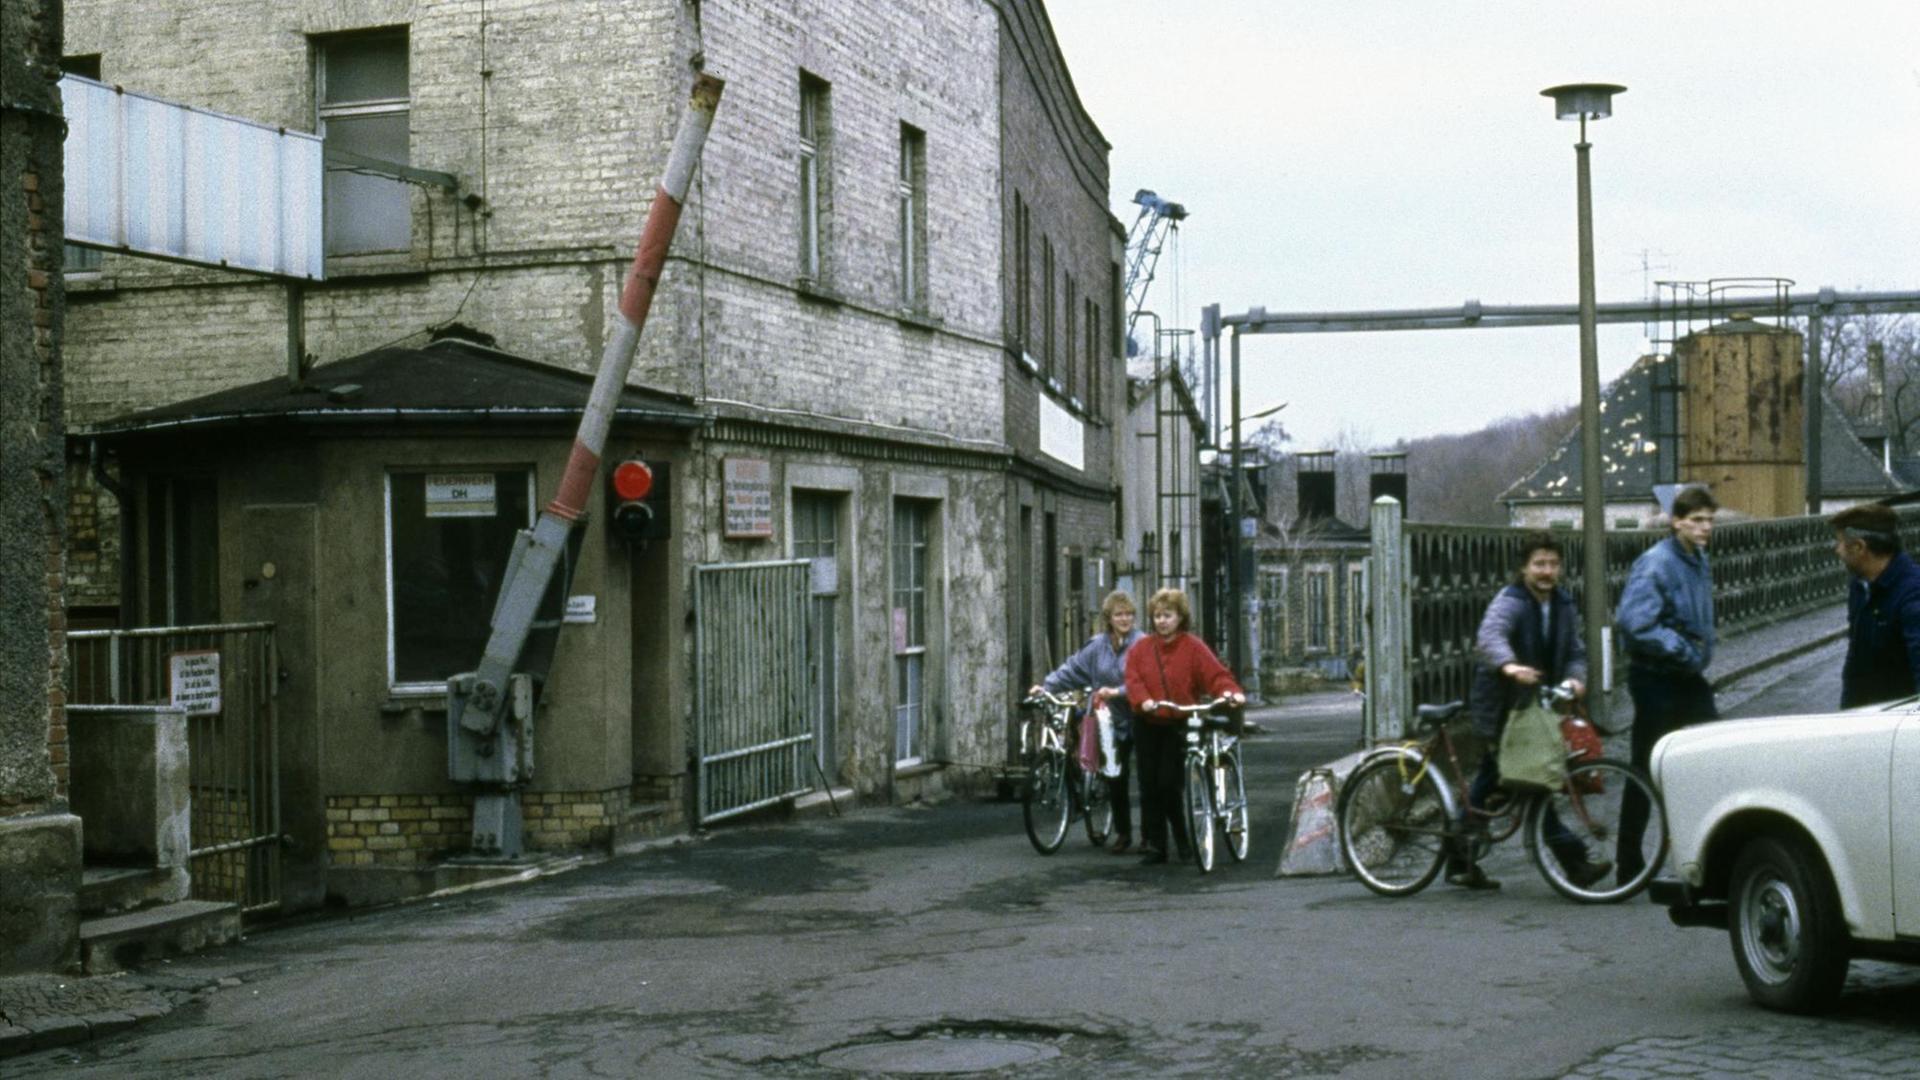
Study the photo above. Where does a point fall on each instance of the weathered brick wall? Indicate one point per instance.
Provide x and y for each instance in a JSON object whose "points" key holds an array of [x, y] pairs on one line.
{"points": [[1055, 159], [413, 830], [33, 768]]}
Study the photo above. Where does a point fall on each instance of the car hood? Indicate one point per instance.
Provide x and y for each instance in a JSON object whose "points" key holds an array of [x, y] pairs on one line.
{"points": [[1778, 734]]}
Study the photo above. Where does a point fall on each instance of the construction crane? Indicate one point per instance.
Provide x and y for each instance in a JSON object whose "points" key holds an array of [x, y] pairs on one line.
{"points": [[1149, 231]]}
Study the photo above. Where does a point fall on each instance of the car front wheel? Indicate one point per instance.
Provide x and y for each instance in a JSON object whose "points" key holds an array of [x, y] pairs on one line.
{"points": [[1788, 936]]}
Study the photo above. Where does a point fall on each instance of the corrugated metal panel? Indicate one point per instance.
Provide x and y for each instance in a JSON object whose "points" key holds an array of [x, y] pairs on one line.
{"points": [[161, 179]]}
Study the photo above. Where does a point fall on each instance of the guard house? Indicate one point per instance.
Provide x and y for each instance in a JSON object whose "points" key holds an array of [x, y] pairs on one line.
{"points": [[367, 514]]}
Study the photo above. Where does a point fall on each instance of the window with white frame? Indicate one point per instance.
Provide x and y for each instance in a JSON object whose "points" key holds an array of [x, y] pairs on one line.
{"points": [[912, 570], [449, 535], [364, 111], [911, 190], [814, 190]]}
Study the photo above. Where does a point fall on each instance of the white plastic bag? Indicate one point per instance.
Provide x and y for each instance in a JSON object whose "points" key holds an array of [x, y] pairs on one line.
{"points": [[1109, 754]]}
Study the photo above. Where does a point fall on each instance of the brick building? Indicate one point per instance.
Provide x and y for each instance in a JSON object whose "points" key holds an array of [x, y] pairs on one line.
{"points": [[39, 838], [827, 356], [1063, 372]]}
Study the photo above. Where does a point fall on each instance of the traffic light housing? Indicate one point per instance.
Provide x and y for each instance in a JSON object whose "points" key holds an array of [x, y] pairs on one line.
{"points": [[637, 495]]}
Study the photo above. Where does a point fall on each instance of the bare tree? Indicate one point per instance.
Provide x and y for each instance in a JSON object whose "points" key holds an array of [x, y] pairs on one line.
{"points": [[1845, 343]]}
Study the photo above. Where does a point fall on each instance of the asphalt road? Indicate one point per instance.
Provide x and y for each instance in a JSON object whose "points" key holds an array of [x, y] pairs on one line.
{"points": [[923, 936]]}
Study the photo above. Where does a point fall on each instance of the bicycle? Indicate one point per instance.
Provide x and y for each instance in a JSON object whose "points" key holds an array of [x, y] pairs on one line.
{"points": [[1216, 791], [1057, 788], [1398, 819]]}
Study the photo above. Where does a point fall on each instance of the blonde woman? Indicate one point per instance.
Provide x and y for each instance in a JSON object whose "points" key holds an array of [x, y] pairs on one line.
{"points": [[1101, 664]]}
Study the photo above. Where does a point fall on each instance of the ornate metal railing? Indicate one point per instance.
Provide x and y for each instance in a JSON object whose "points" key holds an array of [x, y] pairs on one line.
{"points": [[1762, 571]]}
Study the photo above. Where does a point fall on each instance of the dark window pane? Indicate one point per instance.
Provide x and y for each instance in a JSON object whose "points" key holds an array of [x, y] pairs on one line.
{"points": [[447, 573], [366, 69]]}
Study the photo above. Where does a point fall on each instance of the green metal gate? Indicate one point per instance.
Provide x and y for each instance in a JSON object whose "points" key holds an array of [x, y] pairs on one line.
{"points": [[753, 731]]}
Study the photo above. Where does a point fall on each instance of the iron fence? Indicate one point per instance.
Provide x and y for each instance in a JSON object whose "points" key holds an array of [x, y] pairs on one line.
{"points": [[225, 677], [1763, 571]]}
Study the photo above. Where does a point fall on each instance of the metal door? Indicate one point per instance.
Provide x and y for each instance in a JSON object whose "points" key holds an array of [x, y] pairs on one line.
{"points": [[753, 730]]}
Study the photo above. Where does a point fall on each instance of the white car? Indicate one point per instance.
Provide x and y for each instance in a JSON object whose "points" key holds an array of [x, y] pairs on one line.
{"points": [[1801, 836]]}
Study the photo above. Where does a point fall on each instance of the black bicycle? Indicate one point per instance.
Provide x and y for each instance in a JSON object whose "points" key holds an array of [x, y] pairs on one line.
{"points": [[1057, 787]]}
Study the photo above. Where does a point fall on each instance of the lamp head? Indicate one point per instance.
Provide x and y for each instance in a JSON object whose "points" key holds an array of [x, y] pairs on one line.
{"points": [[1583, 101]]}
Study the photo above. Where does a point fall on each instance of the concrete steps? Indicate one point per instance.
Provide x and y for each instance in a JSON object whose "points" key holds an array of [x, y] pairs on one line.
{"points": [[113, 942], [105, 890]]}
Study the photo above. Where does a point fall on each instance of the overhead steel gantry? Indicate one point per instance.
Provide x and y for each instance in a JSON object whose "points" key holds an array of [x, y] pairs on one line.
{"points": [[1813, 306]]}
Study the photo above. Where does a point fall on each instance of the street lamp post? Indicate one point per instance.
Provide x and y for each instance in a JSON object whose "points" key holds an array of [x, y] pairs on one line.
{"points": [[1583, 102]]}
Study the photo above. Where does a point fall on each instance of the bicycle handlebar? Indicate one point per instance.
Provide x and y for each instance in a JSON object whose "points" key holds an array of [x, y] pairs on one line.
{"points": [[1047, 699]]}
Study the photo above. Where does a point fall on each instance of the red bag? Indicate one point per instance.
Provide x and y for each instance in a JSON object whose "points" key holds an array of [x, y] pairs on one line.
{"points": [[1088, 752], [1583, 745]]}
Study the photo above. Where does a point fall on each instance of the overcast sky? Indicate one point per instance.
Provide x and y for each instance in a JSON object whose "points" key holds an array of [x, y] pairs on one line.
{"points": [[1365, 154]]}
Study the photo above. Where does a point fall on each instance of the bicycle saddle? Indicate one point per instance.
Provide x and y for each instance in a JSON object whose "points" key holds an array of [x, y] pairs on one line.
{"points": [[1432, 716]]}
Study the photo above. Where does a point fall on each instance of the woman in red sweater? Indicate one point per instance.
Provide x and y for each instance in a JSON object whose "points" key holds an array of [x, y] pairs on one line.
{"points": [[1172, 667]]}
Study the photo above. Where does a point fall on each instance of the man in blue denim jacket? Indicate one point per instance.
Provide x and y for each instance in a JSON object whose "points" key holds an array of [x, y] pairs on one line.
{"points": [[1883, 607], [1665, 622]]}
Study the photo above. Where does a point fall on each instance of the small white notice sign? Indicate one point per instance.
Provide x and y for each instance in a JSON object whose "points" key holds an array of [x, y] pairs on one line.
{"points": [[580, 609], [195, 681], [749, 498], [460, 495]]}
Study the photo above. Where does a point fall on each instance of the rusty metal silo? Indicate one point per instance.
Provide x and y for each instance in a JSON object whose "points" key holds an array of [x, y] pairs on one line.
{"points": [[1742, 416]]}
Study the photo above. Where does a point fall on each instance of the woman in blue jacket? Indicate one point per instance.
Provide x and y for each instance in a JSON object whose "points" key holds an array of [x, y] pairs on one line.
{"points": [[1102, 664]]}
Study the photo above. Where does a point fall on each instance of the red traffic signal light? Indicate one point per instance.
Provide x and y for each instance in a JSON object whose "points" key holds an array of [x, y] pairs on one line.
{"points": [[638, 496], [632, 480]]}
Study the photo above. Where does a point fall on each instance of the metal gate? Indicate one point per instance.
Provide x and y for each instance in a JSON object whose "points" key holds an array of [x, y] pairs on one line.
{"points": [[224, 675], [753, 733]]}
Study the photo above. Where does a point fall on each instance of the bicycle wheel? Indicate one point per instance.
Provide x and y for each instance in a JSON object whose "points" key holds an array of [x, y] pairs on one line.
{"points": [[1098, 807], [1234, 813], [1200, 815], [1578, 857], [1048, 806], [1393, 825]]}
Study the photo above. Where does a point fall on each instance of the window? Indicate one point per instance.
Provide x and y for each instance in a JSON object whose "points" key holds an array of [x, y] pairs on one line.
{"points": [[1046, 310], [1022, 276], [183, 550], [1319, 607], [814, 190], [816, 537], [1093, 360], [364, 112], [74, 258], [449, 535], [1356, 609], [911, 190], [912, 529], [1070, 376], [1077, 624]]}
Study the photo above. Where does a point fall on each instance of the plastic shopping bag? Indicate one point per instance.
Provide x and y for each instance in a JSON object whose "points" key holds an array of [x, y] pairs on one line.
{"points": [[1088, 752], [1532, 754], [1109, 754]]}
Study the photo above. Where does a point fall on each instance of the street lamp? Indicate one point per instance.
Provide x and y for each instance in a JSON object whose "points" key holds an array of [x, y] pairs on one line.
{"points": [[1583, 102]]}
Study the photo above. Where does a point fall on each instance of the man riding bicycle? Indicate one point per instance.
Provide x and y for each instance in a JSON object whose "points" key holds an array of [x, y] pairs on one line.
{"points": [[1528, 639]]}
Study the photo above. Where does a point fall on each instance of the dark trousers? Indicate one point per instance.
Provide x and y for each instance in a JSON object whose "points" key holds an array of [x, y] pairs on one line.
{"points": [[1663, 702], [1560, 839], [1117, 790], [1160, 752]]}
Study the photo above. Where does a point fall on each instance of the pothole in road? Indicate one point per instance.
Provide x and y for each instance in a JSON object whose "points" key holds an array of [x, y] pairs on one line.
{"points": [[949, 1051]]}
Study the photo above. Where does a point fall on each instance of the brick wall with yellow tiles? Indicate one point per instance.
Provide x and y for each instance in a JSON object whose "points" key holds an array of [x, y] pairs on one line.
{"points": [[409, 830]]}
